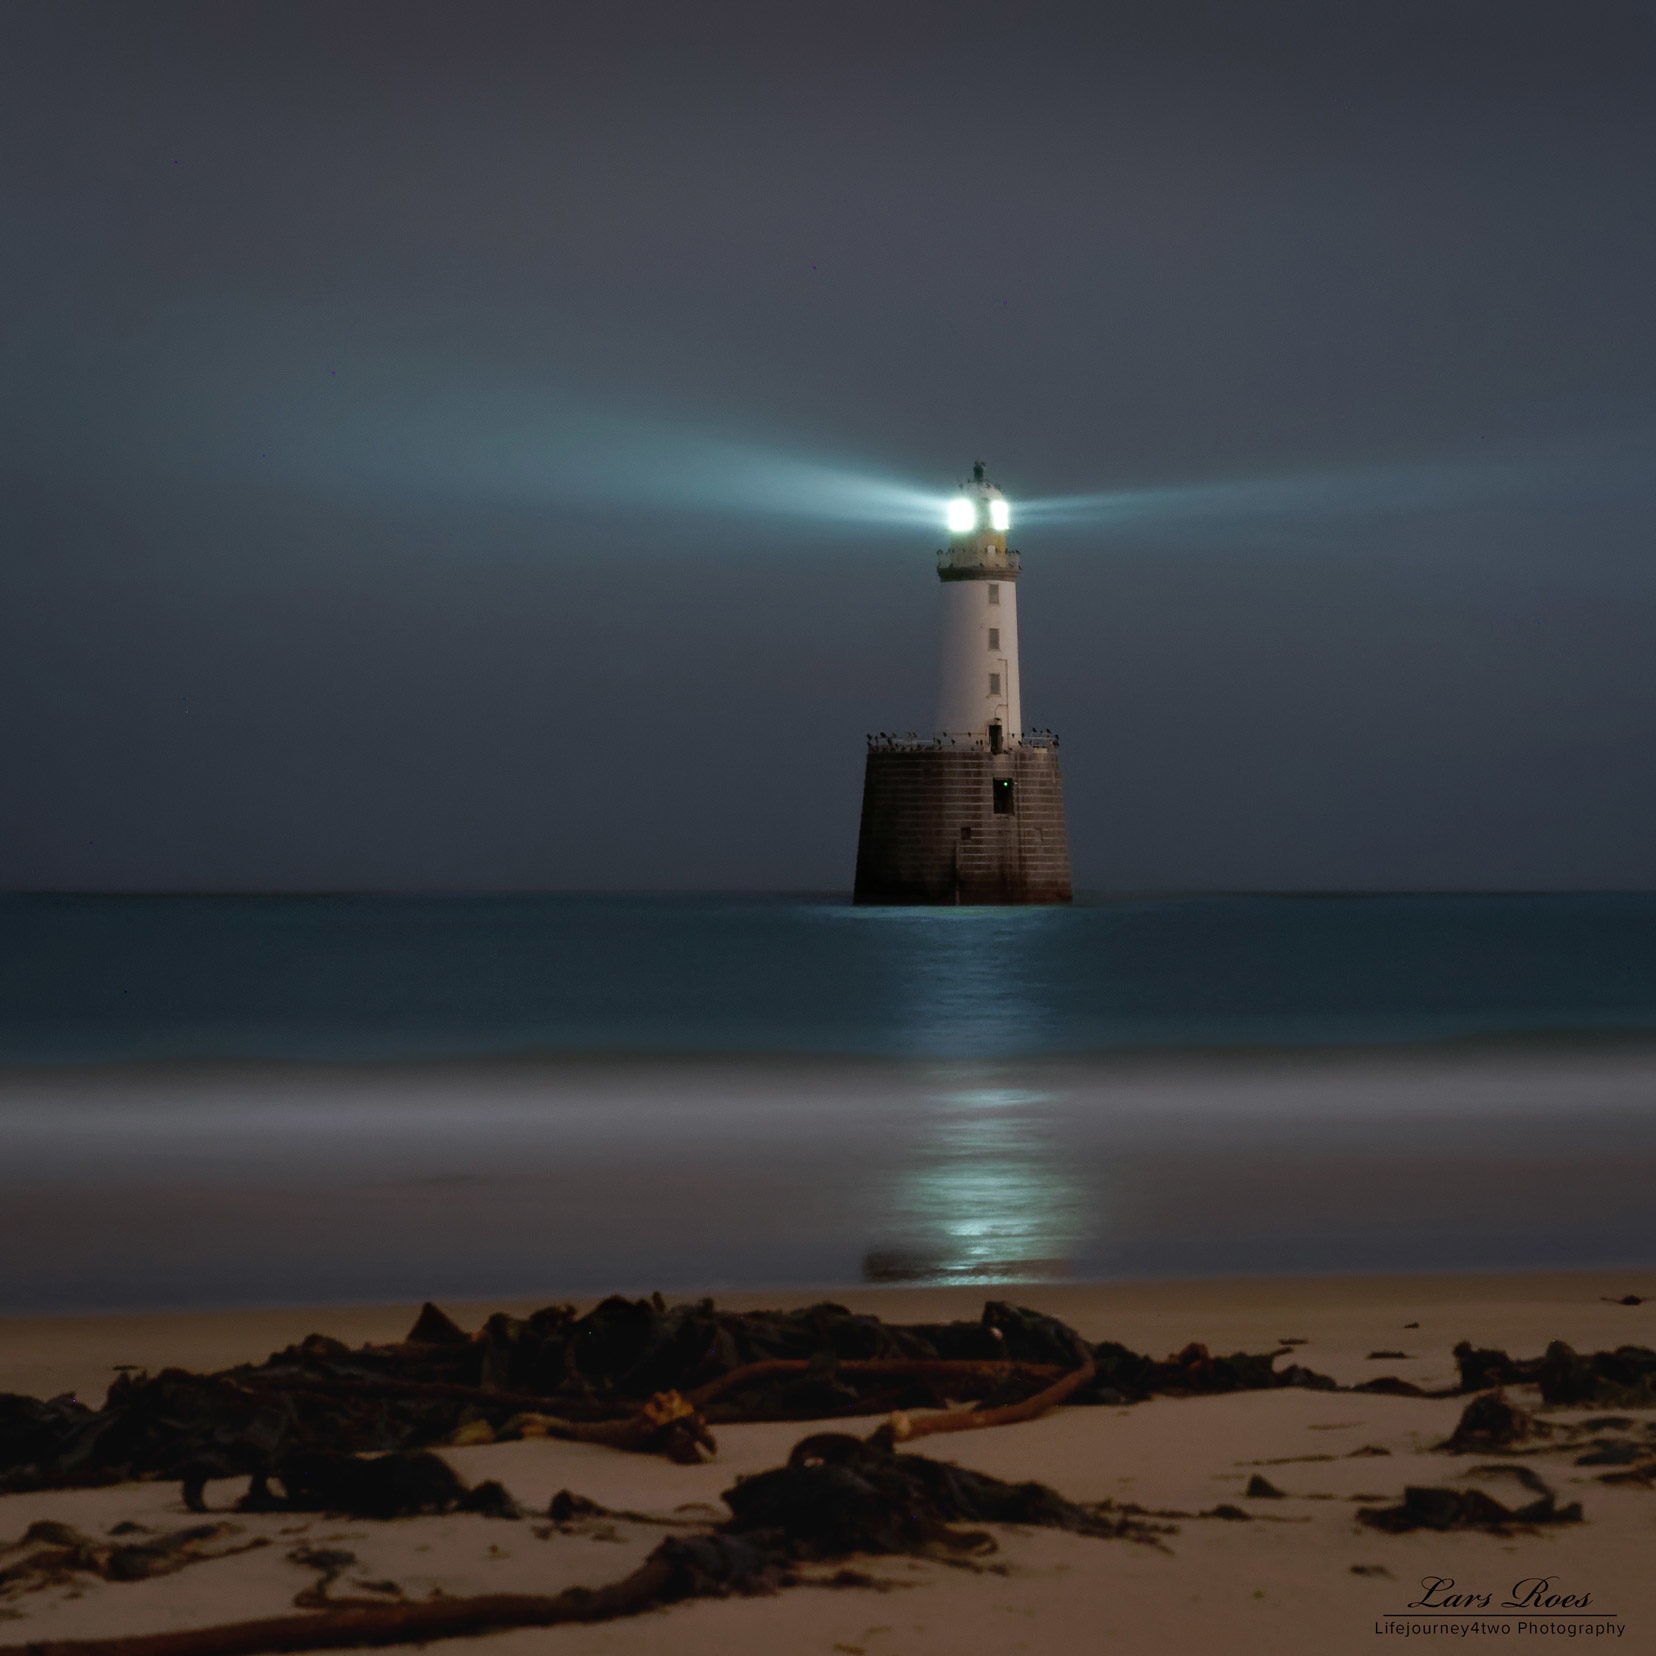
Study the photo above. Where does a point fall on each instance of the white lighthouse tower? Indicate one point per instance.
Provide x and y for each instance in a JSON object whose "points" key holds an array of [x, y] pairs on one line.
{"points": [[975, 813], [978, 698]]}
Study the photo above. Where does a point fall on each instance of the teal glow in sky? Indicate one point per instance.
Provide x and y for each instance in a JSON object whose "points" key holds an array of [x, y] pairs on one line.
{"points": [[373, 422], [395, 424]]}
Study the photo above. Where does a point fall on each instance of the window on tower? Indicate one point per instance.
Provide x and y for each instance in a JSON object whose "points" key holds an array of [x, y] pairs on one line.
{"points": [[994, 684], [994, 592], [994, 638]]}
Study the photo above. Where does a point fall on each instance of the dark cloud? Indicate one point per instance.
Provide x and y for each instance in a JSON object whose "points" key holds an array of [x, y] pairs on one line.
{"points": [[489, 445]]}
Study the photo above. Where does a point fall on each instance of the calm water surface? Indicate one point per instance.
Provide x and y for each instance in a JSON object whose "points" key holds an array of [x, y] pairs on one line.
{"points": [[385, 978], [235, 1101]]}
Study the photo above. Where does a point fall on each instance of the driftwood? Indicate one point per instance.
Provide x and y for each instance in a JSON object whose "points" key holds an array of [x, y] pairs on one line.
{"points": [[355, 1627], [666, 1424], [903, 1427]]}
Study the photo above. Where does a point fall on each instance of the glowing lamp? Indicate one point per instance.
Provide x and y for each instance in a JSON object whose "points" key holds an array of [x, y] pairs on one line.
{"points": [[962, 517], [1000, 516]]}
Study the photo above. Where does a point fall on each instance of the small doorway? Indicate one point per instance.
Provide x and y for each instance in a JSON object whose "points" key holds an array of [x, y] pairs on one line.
{"points": [[996, 738], [1002, 794]]}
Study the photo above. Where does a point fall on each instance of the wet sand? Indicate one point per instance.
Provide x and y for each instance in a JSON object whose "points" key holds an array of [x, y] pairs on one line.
{"points": [[1285, 1581], [142, 1187]]}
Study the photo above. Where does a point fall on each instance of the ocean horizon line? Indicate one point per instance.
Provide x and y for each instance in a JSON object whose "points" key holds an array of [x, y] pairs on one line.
{"points": [[820, 894]]}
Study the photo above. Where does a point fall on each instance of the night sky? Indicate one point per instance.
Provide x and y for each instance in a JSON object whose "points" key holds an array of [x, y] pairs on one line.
{"points": [[491, 445]]}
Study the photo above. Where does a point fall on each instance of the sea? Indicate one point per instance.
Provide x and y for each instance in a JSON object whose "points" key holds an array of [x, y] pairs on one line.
{"points": [[242, 1100]]}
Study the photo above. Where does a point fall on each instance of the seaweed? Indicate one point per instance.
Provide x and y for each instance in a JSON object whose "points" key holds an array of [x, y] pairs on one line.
{"points": [[840, 1494], [636, 1374], [836, 1497], [53, 1553], [1623, 1378], [1437, 1508], [1491, 1422]]}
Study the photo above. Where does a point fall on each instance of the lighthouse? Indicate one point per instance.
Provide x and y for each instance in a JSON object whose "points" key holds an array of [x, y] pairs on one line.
{"points": [[975, 812]]}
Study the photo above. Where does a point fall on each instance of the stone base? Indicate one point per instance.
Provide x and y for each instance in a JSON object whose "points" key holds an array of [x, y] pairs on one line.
{"points": [[931, 832]]}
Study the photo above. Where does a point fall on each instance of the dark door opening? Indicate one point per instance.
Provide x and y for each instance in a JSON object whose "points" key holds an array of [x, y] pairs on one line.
{"points": [[1002, 794], [996, 738]]}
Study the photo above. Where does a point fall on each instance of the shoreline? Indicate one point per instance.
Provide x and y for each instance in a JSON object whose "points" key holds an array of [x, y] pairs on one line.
{"points": [[1572, 1041], [258, 1185]]}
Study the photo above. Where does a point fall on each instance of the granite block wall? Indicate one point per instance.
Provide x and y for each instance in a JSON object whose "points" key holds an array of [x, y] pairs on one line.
{"points": [[931, 832]]}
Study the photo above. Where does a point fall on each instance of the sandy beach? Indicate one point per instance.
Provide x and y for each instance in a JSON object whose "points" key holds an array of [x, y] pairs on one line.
{"points": [[1300, 1575]]}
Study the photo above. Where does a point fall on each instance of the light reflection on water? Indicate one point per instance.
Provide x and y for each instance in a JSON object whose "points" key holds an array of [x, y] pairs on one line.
{"points": [[983, 1192], [973, 1126], [986, 1192], [133, 1188], [967, 981]]}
